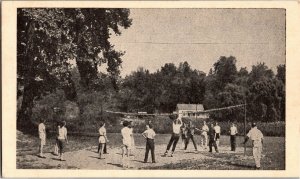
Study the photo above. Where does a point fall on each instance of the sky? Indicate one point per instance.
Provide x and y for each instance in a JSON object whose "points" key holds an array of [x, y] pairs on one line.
{"points": [[201, 36]]}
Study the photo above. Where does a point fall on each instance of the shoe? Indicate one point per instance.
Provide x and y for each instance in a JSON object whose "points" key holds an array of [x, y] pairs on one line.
{"points": [[153, 162], [257, 168], [171, 155], [105, 153], [144, 161]]}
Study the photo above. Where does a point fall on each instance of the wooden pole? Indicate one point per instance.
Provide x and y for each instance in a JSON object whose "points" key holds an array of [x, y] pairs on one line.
{"points": [[245, 120]]}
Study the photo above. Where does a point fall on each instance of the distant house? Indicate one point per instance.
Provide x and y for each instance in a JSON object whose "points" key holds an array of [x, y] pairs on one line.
{"points": [[192, 110]]}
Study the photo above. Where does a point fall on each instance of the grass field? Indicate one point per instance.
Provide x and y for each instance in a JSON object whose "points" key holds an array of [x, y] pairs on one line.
{"points": [[80, 154]]}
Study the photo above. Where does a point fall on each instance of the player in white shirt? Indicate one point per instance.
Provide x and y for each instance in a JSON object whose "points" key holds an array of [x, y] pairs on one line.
{"points": [[233, 132], [62, 139], [102, 138], [42, 137], [257, 140], [149, 135], [126, 138], [177, 123], [218, 133], [204, 131]]}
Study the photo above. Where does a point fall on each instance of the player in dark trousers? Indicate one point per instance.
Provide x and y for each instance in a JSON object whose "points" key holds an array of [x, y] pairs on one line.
{"points": [[190, 135], [233, 131], [177, 123], [149, 135], [212, 138]]}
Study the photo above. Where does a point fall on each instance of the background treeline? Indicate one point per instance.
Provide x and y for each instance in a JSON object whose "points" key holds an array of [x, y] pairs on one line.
{"points": [[161, 91]]}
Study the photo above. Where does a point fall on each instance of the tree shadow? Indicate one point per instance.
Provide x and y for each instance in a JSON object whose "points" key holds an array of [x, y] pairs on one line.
{"points": [[242, 166]]}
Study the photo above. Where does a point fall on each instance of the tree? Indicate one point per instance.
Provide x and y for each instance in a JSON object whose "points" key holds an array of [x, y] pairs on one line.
{"points": [[91, 32], [43, 48], [48, 39], [225, 70], [281, 73]]}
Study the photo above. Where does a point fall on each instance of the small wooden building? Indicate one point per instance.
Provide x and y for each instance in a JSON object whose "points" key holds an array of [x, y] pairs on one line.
{"points": [[192, 111]]}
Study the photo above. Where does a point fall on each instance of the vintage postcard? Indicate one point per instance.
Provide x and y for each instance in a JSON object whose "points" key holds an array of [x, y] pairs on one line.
{"points": [[150, 89]]}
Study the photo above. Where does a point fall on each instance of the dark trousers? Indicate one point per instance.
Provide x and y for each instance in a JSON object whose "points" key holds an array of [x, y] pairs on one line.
{"points": [[188, 140], [233, 142], [174, 139], [104, 150], [212, 143], [149, 146]]}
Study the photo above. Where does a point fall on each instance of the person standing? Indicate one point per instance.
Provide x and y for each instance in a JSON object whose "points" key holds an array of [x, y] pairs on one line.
{"points": [[233, 132], [56, 139], [204, 131], [130, 126], [149, 135], [190, 135], [62, 139], [42, 137], [176, 124], [102, 138], [212, 138], [183, 135], [126, 139], [257, 140], [218, 133]]}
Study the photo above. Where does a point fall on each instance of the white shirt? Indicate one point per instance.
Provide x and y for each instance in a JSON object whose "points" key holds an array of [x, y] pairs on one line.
{"points": [[126, 134], [102, 133], [149, 133], [233, 130], [256, 136], [176, 127], [217, 129], [205, 129], [62, 133], [42, 130]]}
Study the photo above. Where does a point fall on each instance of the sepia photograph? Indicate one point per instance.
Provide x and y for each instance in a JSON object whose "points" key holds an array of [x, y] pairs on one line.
{"points": [[105, 88], [168, 89]]}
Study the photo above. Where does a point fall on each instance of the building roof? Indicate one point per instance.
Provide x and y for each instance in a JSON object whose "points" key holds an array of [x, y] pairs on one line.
{"points": [[192, 107]]}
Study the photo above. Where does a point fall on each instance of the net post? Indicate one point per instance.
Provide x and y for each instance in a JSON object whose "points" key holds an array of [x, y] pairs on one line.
{"points": [[245, 110]]}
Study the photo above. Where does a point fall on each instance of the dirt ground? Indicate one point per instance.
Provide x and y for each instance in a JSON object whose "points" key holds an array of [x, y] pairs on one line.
{"points": [[81, 153], [88, 158]]}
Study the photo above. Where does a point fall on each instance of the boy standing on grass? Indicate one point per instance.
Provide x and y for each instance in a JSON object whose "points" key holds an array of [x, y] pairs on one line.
{"points": [[233, 132], [130, 126], [126, 138], [149, 136], [42, 137], [177, 123], [204, 131], [183, 135], [212, 138], [56, 140], [217, 129], [257, 140], [62, 139], [102, 138], [190, 135]]}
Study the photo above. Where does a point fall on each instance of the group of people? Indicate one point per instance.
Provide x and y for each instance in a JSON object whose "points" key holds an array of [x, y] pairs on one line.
{"points": [[209, 135], [212, 135], [61, 138]]}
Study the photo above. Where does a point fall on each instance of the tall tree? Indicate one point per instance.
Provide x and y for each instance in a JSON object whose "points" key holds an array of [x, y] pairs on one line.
{"points": [[43, 48], [49, 38]]}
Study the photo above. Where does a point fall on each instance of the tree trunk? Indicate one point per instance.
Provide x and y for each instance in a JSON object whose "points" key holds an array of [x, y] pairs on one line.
{"points": [[24, 122]]}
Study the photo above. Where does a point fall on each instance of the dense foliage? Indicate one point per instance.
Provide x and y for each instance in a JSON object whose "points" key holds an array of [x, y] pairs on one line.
{"points": [[50, 39]]}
